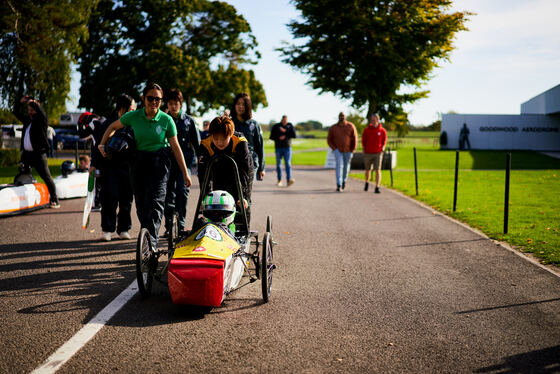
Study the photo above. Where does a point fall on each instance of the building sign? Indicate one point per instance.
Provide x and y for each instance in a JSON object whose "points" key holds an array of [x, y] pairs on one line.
{"points": [[537, 132]]}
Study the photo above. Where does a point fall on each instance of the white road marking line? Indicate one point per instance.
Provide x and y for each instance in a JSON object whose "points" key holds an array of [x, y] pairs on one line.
{"points": [[72, 346]]}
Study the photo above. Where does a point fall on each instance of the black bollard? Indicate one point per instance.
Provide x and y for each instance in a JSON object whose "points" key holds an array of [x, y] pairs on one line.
{"points": [[415, 171], [76, 155], [506, 204], [391, 166], [456, 180]]}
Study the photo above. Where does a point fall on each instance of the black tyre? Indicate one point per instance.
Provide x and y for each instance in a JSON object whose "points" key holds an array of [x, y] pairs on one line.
{"points": [[172, 234], [145, 260], [269, 224], [267, 266]]}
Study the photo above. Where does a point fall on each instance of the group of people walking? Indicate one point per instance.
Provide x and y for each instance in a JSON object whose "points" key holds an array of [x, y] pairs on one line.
{"points": [[342, 139], [167, 145]]}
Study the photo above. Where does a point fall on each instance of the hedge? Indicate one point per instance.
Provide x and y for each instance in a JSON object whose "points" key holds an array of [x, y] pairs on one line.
{"points": [[9, 157]]}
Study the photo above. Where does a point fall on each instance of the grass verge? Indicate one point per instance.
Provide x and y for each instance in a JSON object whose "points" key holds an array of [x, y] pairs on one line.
{"points": [[533, 211]]}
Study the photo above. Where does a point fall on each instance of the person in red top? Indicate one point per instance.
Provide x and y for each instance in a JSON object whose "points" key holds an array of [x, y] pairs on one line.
{"points": [[374, 139]]}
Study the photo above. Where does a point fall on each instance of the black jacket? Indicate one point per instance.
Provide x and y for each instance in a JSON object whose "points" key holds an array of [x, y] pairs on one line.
{"points": [[95, 128], [222, 176], [289, 133], [39, 123], [188, 136], [252, 131]]}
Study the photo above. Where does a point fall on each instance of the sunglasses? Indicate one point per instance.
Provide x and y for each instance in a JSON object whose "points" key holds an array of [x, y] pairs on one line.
{"points": [[151, 99]]}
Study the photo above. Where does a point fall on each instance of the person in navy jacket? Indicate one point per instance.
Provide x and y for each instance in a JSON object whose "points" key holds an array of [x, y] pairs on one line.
{"points": [[188, 136], [282, 133], [242, 116]]}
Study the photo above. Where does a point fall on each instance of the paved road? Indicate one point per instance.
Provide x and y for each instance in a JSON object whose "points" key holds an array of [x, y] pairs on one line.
{"points": [[365, 283]]}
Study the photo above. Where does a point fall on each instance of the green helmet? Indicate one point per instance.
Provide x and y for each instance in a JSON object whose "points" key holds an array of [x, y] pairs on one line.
{"points": [[219, 207]]}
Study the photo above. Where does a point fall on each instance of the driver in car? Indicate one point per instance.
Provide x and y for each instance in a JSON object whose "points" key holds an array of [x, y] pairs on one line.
{"points": [[223, 140]]}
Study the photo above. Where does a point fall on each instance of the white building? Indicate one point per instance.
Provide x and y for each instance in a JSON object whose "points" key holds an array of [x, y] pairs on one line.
{"points": [[537, 128]]}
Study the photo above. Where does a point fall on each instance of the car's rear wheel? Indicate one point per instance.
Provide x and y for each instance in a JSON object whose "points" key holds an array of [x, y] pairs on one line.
{"points": [[267, 266]]}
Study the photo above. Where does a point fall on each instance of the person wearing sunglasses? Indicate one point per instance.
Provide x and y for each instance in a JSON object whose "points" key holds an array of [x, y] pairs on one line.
{"points": [[154, 133]]}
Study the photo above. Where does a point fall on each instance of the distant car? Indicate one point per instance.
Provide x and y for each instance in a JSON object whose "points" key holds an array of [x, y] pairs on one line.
{"points": [[67, 137]]}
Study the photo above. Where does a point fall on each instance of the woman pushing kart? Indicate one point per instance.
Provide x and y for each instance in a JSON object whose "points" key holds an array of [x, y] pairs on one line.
{"points": [[154, 133]]}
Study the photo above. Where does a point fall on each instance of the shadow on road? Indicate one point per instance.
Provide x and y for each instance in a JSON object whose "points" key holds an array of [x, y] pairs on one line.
{"points": [[77, 274], [509, 306], [159, 310], [292, 191], [541, 361], [441, 243]]}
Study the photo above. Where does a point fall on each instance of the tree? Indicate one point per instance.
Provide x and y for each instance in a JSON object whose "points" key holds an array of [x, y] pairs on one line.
{"points": [[38, 43], [7, 117], [375, 52], [198, 46], [309, 125], [358, 120]]}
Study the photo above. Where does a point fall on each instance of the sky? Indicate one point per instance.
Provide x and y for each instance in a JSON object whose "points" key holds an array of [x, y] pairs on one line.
{"points": [[510, 54]]}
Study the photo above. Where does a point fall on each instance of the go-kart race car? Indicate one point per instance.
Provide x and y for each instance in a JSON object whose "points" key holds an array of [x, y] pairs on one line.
{"points": [[71, 183], [24, 195], [210, 262], [16, 199]]}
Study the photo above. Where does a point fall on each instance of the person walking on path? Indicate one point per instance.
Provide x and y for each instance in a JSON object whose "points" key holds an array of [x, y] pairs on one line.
{"points": [[154, 133], [282, 133], [374, 139], [189, 140], [112, 176], [242, 115], [34, 142], [342, 139]]}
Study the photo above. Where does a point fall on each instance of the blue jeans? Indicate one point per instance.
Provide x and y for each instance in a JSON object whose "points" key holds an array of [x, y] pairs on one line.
{"points": [[285, 153], [342, 167]]}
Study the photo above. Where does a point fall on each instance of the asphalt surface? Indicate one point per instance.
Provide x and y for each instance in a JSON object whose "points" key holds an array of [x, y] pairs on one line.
{"points": [[365, 283]]}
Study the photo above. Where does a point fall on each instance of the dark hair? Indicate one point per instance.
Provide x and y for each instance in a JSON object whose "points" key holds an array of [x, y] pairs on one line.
{"points": [[152, 86], [248, 106], [123, 102], [174, 94], [221, 125]]}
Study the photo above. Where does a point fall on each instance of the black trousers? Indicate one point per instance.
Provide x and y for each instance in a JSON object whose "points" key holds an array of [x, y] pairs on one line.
{"points": [[150, 173], [38, 161], [177, 197], [116, 193]]}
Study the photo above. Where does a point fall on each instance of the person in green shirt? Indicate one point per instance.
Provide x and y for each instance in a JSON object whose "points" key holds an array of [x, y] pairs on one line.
{"points": [[154, 133]]}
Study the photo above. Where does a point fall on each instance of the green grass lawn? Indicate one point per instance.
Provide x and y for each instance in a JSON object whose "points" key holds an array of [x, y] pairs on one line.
{"points": [[433, 159], [534, 209]]}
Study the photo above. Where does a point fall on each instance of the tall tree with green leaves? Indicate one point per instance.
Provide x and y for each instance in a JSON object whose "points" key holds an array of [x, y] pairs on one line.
{"points": [[199, 46], [39, 40], [377, 53]]}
